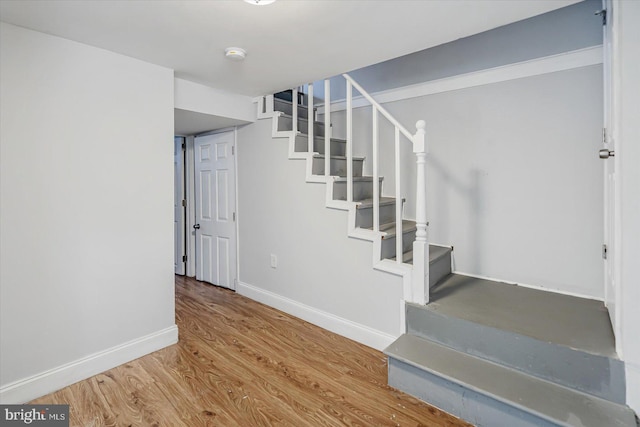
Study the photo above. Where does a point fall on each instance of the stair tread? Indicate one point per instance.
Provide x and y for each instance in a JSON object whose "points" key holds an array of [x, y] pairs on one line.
{"points": [[544, 399], [356, 178], [321, 156], [390, 228], [368, 203], [435, 253], [318, 137]]}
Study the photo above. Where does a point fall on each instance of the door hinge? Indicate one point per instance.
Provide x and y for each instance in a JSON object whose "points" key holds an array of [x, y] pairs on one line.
{"points": [[234, 217], [184, 203], [603, 14], [604, 251], [184, 258]]}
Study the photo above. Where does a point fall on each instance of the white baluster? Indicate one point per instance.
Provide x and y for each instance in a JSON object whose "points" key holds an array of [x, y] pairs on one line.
{"points": [[398, 199], [349, 148], [420, 288], [310, 118], [294, 110], [376, 186], [327, 128]]}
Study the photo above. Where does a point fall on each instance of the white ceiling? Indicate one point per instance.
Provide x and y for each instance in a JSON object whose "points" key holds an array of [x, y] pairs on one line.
{"points": [[288, 43]]}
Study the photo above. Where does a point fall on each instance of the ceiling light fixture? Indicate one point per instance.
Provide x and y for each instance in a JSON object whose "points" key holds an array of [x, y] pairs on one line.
{"points": [[235, 53], [260, 2]]}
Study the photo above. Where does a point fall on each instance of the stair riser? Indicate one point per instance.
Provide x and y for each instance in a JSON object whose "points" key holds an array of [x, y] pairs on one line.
{"points": [[286, 107], [597, 375], [389, 244], [338, 167], [338, 148], [477, 409], [361, 190], [285, 124], [364, 216], [439, 269]]}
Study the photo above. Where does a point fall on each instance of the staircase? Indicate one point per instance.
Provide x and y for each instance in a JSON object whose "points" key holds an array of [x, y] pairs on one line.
{"points": [[491, 353]]}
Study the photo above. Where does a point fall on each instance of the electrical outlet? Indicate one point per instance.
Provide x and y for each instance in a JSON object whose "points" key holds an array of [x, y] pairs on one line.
{"points": [[274, 261]]}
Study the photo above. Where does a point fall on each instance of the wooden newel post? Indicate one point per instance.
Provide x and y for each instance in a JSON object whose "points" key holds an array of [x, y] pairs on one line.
{"points": [[420, 285]]}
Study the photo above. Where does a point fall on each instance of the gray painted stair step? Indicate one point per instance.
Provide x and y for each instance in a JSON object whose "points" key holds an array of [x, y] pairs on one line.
{"points": [[559, 338], [439, 262], [338, 165], [488, 394], [362, 188], [287, 108], [388, 249], [364, 212], [338, 146], [285, 123]]}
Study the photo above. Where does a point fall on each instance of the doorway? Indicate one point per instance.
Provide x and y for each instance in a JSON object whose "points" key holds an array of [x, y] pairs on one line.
{"points": [[215, 209]]}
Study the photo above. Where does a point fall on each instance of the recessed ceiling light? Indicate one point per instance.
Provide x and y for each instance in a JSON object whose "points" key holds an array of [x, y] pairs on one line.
{"points": [[260, 2], [235, 53]]}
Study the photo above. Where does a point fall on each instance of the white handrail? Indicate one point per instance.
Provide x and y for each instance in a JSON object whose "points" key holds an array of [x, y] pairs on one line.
{"points": [[379, 107]]}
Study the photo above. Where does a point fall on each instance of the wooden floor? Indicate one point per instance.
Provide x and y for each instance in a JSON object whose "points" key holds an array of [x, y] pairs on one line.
{"points": [[240, 363]]}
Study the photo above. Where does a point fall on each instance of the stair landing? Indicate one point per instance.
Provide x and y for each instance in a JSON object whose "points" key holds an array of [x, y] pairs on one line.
{"points": [[577, 323]]}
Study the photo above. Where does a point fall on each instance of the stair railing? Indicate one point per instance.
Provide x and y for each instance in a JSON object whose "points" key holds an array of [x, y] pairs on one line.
{"points": [[420, 285], [419, 292]]}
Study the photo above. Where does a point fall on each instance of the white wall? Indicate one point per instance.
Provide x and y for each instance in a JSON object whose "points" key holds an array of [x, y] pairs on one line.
{"points": [[513, 179], [86, 275], [628, 152], [322, 275]]}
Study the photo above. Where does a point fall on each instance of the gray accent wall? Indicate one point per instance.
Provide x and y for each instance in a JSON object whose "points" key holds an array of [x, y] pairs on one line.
{"points": [[562, 30]]}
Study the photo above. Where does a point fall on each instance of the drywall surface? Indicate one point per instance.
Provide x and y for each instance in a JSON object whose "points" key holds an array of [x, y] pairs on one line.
{"points": [[513, 178], [318, 266], [192, 96], [86, 204]]}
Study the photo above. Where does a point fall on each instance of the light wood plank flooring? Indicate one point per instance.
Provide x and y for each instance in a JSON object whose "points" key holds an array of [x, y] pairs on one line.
{"points": [[241, 363]]}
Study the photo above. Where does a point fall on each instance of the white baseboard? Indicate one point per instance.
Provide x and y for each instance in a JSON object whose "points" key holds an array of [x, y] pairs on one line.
{"points": [[30, 388], [527, 285], [633, 386], [341, 326]]}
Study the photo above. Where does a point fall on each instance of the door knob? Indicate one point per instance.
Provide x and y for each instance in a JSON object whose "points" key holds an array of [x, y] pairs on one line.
{"points": [[196, 226], [605, 154]]}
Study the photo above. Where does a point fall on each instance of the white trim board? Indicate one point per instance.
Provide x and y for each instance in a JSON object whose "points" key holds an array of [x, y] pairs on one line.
{"points": [[533, 67], [30, 388], [341, 326]]}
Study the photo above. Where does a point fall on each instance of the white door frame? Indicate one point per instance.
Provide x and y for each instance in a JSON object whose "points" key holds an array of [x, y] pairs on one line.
{"points": [[179, 220], [612, 226], [191, 202], [191, 206]]}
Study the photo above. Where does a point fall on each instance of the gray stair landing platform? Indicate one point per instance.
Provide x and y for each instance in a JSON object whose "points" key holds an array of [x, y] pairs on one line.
{"points": [[558, 338], [488, 394], [578, 323]]}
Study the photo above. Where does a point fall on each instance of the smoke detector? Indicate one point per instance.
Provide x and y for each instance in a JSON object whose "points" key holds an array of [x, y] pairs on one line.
{"points": [[235, 53], [260, 2]]}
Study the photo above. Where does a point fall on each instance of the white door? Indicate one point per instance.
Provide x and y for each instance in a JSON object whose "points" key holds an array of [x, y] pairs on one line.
{"points": [[215, 209], [178, 206], [607, 153]]}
